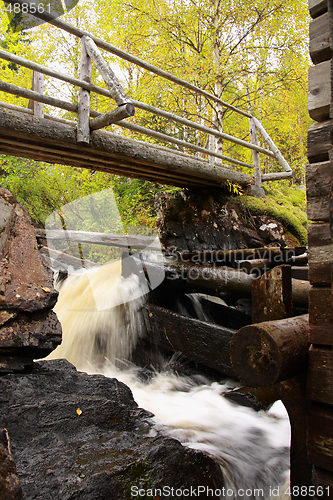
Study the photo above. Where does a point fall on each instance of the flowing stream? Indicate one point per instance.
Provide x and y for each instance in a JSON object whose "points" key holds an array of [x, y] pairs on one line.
{"points": [[100, 313]]}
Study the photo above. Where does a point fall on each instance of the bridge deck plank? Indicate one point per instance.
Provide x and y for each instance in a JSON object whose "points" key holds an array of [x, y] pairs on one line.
{"points": [[24, 135]]}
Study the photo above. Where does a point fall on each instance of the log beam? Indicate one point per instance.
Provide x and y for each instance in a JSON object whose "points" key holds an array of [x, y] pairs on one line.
{"points": [[265, 353], [107, 239], [320, 141], [213, 280], [319, 181], [113, 116], [60, 260], [110, 149], [320, 376], [320, 254], [320, 38], [202, 342], [320, 91], [321, 316], [317, 7]]}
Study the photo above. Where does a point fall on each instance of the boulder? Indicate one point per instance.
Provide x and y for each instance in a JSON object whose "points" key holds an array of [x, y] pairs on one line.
{"points": [[77, 436], [28, 327], [25, 284], [26, 336], [196, 220]]}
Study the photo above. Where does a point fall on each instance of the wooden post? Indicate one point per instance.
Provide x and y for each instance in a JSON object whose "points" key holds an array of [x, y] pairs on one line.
{"points": [[211, 147], [255, 154], [272, 295], [83, 131], [254, 140], [292, 393], [109, 77], [37, 86]]}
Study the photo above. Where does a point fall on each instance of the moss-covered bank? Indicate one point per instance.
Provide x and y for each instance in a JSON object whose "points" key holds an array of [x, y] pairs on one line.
{"points": [[286, 205]]}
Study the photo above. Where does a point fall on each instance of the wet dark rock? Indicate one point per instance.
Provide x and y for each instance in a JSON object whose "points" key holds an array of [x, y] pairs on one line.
{"points": [[199, 220], [256, 398], [27, 336], [78, 436], [28, 327]]}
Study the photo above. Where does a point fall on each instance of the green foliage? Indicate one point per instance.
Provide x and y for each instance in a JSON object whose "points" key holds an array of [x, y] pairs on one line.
{"points": [[19, 43], [233, 188], [136, 200], [44, 188], [232, 49]]}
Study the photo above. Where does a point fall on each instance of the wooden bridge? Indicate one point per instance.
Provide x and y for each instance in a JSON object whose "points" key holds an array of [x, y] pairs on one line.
{"points": [[28, 132]]}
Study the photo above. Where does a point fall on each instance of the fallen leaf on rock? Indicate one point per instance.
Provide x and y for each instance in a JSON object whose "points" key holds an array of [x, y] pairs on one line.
{"points": [[78, 411]]}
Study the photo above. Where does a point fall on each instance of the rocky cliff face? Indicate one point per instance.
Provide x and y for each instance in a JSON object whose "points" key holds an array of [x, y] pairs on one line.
{"points": [[28, 327], [199, 220]]}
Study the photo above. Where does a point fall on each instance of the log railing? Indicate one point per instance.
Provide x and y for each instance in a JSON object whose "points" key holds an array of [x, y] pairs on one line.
{"points": [[89, 120]]}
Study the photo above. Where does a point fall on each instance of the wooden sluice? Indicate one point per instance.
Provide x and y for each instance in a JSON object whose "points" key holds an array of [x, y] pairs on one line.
{"points": [[270, 355]]}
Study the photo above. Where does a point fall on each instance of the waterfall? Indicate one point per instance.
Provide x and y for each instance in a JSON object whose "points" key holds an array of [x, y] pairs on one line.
{"points": [[100, 313]]}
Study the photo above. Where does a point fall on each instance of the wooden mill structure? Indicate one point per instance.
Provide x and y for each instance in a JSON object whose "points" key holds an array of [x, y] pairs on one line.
{"points": [[320, 211], [28, 132]]}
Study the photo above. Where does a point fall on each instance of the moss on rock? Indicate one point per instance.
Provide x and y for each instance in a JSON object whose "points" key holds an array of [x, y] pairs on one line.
{"points": [[288, 207]]}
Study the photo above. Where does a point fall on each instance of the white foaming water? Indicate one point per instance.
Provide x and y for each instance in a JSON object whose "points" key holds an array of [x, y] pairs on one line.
{"points": [[98, 317], [100, 327]]}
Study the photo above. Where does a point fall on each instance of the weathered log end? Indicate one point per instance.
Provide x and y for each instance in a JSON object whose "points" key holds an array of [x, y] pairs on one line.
{"points": [[269, 352]]}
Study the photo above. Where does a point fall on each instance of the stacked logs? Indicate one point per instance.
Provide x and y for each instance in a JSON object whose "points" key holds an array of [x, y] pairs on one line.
{"points": [[320, 211]]}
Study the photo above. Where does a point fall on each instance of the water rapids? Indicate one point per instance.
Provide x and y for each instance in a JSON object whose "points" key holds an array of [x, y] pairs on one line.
{"points": [[100, 313]]}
